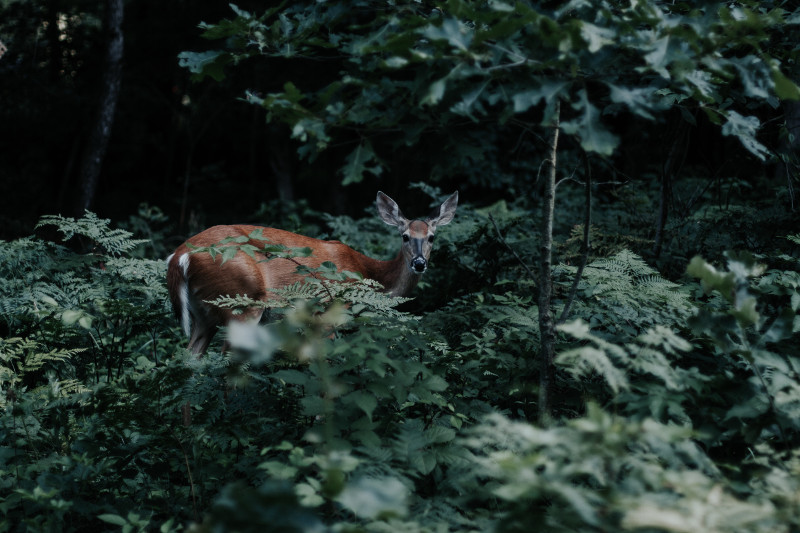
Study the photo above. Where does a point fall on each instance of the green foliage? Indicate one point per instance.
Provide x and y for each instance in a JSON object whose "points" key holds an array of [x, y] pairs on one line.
{"points": [[462, 74], [624, 287], [677, 402]]}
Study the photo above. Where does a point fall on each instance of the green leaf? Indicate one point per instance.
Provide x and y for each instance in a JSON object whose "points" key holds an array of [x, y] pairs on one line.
{"points": [[375, 498], [547, 91], [745, 312], [785, 88], [712, 279], [202, 64], [657, 58], [356, 164], [435, 383], [582, 361], [439, 434], [279, 469], [746, 129], [114, 519], [364, 400], [435, 92], [638, 101], [458, 34], [781, 328], [594, 137], [293, 377], [597, 37], [71, 316]]}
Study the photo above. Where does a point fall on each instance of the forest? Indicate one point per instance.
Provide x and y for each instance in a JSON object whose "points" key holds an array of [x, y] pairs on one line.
{"points": [[607, 336]]}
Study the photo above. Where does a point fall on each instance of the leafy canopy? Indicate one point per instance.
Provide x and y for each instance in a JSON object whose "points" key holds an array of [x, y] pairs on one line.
{"points": [[391, 76]]}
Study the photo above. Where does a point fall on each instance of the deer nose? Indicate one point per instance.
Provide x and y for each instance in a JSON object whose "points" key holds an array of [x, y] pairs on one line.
{"points": [[419, 265]]}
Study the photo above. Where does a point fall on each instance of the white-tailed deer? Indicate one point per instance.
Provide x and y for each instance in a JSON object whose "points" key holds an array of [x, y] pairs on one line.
{"points": [[196, 278]]}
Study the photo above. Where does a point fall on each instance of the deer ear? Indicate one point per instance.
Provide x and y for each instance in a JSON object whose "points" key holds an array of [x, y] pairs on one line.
{"points": [[445, 213], [390, 212]]}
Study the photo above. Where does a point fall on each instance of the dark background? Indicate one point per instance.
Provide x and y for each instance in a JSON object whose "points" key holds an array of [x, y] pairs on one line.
{"points": [[166, 127]]}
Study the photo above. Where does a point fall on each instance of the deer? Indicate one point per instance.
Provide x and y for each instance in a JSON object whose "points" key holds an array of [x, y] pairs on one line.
{"points": [[194, 279]]}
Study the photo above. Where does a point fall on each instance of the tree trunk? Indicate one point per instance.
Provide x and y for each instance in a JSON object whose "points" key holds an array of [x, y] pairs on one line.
{"points": [[547, 328], [97, 143]]}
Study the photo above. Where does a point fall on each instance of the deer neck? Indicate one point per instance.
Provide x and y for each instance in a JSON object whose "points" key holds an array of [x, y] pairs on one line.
{"points": [[395, 275]]}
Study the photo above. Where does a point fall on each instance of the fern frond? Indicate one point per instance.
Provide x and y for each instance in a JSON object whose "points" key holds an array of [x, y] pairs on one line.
{"points": [[114, 241]]}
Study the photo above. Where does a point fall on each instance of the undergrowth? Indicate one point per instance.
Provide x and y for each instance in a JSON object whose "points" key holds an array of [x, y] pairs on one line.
{"points": [[678, 400]]}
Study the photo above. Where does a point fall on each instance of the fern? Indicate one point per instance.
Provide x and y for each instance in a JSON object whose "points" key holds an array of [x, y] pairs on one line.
{"points": [[633, 294], [112, 241]]}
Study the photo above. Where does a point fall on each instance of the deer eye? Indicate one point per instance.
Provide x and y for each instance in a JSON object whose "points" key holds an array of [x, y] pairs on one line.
{"points": [[430, 239], [405, 238]]}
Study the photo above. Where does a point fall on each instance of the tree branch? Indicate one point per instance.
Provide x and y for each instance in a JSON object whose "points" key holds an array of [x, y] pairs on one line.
{"points": [[502, 239], [587, 221]]}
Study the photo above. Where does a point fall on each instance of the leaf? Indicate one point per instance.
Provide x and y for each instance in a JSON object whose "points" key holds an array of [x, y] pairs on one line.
{"points": [[279, 469], [435, 383], [638, 101], [293, 377], [594, 137], [745, 312], [782, 328], [375, 498], [596, 36], [754, 76], [365, 401], [439, 434], [71, 316], [202, 64], [259, 343], [745, 128], [435, 92], [453, 31], [547, 91], [785, 88], [657, 58], [356, 164], [586, 358], [710, 278], [114, 519]]}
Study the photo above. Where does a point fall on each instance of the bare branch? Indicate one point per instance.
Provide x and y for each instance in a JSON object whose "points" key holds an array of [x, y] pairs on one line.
{"points": [[587, 221], [503, 240]]}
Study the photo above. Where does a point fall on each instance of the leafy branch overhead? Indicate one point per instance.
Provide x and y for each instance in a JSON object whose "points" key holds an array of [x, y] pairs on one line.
{"points": [[390, 76]]}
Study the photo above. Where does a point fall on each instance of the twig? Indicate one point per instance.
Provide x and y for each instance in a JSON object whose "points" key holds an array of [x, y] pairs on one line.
{"points": [[521, 262], [587, 221], [191, 480], [670, 169]]}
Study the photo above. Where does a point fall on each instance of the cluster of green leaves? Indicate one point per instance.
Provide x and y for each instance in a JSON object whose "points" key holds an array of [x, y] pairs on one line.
{"points": [[466, 74]]}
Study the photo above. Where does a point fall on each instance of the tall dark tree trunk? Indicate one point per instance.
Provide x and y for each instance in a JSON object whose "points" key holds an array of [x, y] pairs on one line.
{"points": [[547, 327], [97, 143]]}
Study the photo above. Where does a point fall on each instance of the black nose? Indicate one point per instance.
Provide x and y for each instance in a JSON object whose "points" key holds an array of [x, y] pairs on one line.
{"points": [[419, 264]]}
